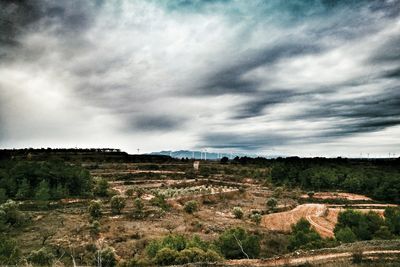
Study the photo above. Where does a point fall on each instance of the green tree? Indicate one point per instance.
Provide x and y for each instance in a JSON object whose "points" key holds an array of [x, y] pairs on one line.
{"points": [[3, 195], [43, 191], [117, 204], [304, 237], [346, 235], [107, 257], [23, 190], [236, 243], [101, 188]]}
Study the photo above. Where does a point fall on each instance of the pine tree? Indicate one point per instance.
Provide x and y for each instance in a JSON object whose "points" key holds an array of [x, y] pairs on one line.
{"points": [[23, 190], [43, 191]]}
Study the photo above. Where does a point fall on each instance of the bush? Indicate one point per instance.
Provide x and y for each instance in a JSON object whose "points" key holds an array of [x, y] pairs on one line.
{"points": [[237, 212], [95, 228], [10, 214], [101, 188], [108, 257], [42, 257], [191, 206], [117, 204], [256, 218], [9, 251], [95, 209], [159, 201], [129, 192], [346, 235], [166, 256], [230, 242], [305, 237], [138, 209], [271, 203], [364, 226]]}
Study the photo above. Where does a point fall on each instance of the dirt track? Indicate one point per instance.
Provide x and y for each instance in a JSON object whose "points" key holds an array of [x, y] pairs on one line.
{"points": [[314, 259], [320, 216]]}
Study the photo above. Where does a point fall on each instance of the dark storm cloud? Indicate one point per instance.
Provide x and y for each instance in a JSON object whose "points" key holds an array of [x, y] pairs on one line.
{"points": [[156, 123], [230, 79], [231, 74]]}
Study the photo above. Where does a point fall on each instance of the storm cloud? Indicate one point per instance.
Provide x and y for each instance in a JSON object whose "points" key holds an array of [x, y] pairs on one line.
{"points": [[294, 77]]}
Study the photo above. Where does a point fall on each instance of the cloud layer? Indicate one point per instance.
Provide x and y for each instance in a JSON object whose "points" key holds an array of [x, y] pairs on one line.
{"points": [[315, 77]]}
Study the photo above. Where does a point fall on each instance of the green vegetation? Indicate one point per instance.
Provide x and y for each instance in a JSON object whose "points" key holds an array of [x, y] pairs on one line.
{"points": [[43, 180], [237, 212], [95, 210], [378, 179], [271, 204], [176, 249], [9, 251], [237, 243], [305, 237], [41, 257], [117, 204], [354, 225], [191, 206], [106, 257]]}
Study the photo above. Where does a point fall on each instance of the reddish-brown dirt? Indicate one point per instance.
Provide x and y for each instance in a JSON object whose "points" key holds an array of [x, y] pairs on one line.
{"points": [[320, 216], [339, 195]]}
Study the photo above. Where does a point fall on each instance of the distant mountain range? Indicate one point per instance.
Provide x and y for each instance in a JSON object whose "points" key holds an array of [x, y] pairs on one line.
{"points": [[205, 155]]}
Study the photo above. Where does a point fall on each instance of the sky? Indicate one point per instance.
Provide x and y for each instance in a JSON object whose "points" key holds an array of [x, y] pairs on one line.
{"points": [[281, 77]]}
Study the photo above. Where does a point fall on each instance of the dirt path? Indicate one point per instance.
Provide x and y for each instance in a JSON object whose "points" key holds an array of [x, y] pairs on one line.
{"points": [[322, 217], [283, 221], [306, 259]]}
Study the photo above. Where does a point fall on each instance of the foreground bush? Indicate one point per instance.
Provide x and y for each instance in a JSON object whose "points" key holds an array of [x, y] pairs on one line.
{"points": [[107, 257], [9, 251], [238, 244], [10, 215], [42, 257], [176, 249]]}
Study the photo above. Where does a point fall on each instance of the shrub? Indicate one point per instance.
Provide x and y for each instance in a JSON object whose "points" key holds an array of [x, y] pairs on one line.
{"points": [[271, 203], [346, 235], [107, 256], [310, 194], [95, 209], [237, 212], [9, 251], [191, 206], [234, 241], [11, 215], [138, 209], [357, 256], [129, 192], [159, 201], [256, 218], [95, 228], [42, 257], [166, 256], [101, 187], [305, 237], [117, 204]]}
